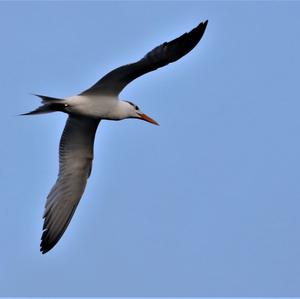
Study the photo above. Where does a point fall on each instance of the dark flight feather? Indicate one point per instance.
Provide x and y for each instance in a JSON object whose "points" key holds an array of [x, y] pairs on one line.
{"points": [[116, 80]]}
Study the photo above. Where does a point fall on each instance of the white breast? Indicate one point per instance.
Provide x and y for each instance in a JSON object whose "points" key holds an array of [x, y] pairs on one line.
{"points": [[95, 106]]}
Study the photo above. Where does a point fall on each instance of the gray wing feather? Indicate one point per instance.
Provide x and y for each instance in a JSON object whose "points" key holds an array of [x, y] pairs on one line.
{"points": [[75, 164], [116, 80]]}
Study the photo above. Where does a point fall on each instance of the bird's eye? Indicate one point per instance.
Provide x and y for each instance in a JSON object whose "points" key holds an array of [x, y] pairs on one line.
{"points": [[137, 108]]}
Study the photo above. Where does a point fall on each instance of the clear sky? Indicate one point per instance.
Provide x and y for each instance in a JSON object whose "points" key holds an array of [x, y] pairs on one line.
{"points": [[208, 203]]}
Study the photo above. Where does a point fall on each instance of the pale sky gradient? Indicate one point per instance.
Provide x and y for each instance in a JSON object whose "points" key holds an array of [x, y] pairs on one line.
{"points": [[208, 203]]}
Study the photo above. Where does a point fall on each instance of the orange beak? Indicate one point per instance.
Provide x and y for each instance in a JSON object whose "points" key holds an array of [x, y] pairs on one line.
{"points": [[148, 119]]}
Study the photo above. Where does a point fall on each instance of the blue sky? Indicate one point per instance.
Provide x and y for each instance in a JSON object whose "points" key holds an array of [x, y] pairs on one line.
{"points": [[208, 203]]}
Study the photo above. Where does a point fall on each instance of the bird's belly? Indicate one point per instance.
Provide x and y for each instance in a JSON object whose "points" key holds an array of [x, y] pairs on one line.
{"points": [[90, 106]]}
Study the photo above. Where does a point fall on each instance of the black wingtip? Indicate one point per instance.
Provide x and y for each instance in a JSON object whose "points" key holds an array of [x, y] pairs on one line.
{"points": [[203, 25], [43, 251], [45, 245]]}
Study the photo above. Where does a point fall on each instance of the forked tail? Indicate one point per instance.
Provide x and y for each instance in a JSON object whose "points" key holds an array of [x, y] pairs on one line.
{"points": [[49, 105]]}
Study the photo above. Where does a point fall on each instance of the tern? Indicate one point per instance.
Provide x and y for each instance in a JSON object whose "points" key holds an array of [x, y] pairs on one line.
{"points": [[85, 111]]}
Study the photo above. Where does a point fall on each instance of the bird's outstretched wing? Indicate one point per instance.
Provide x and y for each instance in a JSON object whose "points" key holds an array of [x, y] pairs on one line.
{"points": [[116, 80], [75, 164]]}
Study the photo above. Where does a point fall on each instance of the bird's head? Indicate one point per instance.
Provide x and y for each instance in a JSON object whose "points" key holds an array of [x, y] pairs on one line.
{"points": [[135, 112]]}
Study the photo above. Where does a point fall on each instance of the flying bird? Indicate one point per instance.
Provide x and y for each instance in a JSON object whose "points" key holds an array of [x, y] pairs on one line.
{"points": [[85, 111]]}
